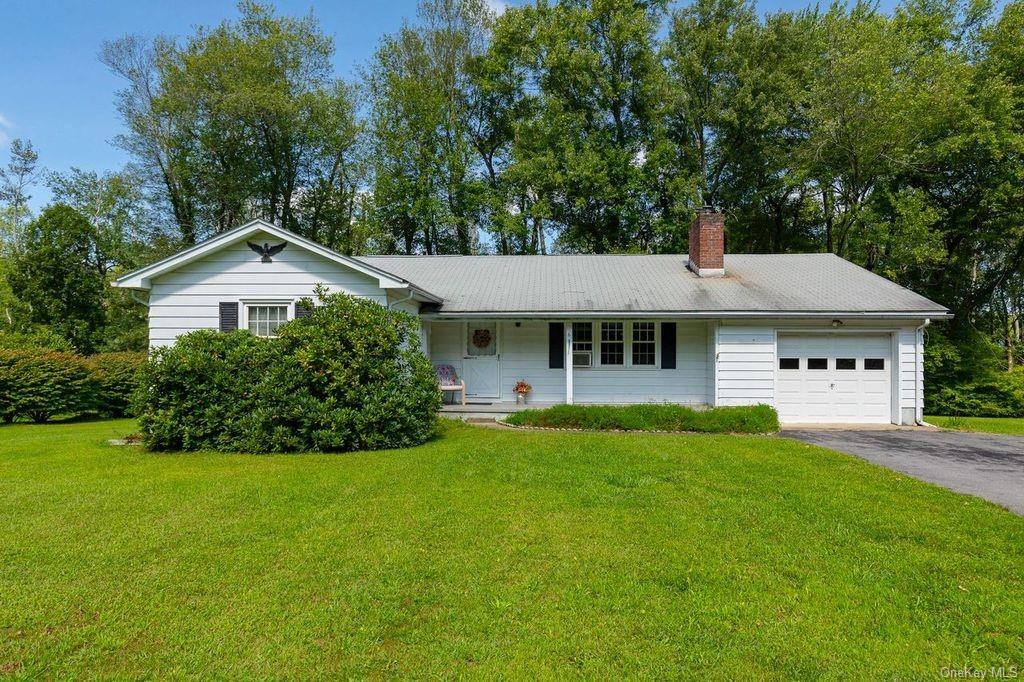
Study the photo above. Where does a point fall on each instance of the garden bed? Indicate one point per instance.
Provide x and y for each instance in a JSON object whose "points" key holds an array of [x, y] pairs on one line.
{"points": [[657, 418]]}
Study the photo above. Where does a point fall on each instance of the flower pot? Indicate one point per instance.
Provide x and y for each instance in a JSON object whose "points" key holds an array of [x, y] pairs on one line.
{"points": [[520, 398]]}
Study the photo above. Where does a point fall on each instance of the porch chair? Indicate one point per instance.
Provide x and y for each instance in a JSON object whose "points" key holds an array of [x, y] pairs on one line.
{"points": [[448, 380]]}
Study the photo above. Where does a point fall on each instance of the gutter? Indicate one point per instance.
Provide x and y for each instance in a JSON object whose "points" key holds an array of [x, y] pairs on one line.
{"points": [[725, 314], [919, 375]]}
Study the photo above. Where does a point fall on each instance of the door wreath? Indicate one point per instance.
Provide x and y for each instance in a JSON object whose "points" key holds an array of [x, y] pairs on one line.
{"points": [[481, 338]]}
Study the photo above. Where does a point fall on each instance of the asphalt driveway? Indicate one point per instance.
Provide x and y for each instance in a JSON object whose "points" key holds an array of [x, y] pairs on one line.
{"points": [[987, 465]]}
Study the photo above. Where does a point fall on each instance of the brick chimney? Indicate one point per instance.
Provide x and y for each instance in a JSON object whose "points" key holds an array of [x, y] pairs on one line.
{"points": [[707, 243]]}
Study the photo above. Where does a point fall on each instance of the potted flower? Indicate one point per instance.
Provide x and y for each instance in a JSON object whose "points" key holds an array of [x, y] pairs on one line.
{"points": [[521, 389]]}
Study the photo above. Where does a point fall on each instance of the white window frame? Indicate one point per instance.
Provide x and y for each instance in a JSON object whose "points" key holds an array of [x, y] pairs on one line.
{"points": [[590, 353], [288, 304], [657, 346], [627, 332]]}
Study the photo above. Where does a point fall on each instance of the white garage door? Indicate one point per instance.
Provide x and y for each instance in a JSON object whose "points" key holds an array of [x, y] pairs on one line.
{"points": [[834, 378]]}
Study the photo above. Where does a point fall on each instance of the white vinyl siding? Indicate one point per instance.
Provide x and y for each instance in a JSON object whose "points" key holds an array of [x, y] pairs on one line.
{"points": [[911, 351], [686, 384], [187, 299], [746, 365]]}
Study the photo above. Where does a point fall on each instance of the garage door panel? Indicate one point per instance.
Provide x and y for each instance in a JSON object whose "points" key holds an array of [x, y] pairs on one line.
{"points": [[844, 390]]}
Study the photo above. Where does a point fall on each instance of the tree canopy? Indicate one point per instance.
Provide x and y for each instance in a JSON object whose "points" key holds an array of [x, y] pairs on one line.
{"points": [[893, 139]]}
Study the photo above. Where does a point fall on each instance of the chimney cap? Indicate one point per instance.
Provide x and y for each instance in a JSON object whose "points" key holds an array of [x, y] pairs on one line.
{"points": [[706, 208]]}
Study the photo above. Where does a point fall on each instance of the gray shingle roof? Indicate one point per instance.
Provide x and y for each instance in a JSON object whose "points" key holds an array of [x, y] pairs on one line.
{"points": [[783, 283]]}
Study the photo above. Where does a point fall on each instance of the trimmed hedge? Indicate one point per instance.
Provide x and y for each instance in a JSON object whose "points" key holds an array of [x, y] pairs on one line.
{"points": [[38, 384], [753, 419], [114, 380], [348, 377]]}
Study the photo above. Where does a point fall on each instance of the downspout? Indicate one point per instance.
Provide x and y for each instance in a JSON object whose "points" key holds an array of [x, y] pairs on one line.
{"points": [[407, 298], [135, 297], [568, 363], [919, 374]]}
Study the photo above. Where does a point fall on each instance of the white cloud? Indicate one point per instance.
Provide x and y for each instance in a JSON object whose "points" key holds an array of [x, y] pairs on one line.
{"points": [[497, 6], [5, 126]]}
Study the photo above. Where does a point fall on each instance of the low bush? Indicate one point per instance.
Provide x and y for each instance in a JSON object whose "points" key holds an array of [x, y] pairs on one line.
{"points": [[348, 377], [114, 379], [39, 384], [753, 419], [991, 398]]}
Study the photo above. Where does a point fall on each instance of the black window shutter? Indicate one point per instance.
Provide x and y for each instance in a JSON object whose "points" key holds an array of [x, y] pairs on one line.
{"points": [[556, 345], [228, 316], [668, 345], [302, 310]]}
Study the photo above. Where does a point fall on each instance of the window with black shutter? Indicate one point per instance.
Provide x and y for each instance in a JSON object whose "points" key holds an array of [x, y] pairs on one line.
{"points": [[556, 347], [228, 316], [668, 345]]}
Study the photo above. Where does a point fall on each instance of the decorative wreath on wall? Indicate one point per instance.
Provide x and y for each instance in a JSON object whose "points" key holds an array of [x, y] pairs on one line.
{"points": [[481, 338]]}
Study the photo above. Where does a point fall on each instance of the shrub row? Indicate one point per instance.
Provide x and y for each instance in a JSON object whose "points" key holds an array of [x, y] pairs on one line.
{"points": [[348, 377], [753, 419], [38, 384]]}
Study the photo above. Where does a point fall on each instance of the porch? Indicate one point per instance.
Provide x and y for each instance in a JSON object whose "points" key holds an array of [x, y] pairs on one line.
{"points": [[618, 362]]}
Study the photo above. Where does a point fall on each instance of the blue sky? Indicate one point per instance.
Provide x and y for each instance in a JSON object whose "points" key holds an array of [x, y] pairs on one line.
{"points": [[54, 91]]}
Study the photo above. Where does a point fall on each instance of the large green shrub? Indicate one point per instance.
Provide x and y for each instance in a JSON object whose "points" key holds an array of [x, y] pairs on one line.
{"points": [[999, 397], [196, 393], [965, 374], [752, 419], [39, 384], [348, 377], [114, 380]]}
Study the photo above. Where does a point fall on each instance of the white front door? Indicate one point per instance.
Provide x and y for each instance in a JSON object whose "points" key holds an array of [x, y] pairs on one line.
{"points": [[480, 364], [834, 378]]}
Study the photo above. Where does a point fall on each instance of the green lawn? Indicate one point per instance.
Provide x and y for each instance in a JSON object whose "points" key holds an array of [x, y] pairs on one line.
{"points": [[495, 553], [1012, 427]]}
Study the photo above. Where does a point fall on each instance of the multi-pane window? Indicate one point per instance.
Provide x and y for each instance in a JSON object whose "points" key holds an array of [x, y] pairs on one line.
{"points": [[582, 344], [265, 319], [613, 344], [643, 344]]}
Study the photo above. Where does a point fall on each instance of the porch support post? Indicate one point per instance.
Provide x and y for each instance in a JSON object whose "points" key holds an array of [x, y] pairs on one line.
{"points": [[568, 362]]}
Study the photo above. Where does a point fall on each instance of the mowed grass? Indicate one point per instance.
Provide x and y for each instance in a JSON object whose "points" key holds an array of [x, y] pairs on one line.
{"points": [[490, 553], [1007, 426]]}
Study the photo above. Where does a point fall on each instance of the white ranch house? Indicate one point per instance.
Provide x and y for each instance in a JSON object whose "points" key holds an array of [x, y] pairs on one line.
{"points": [[815, 336]]}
